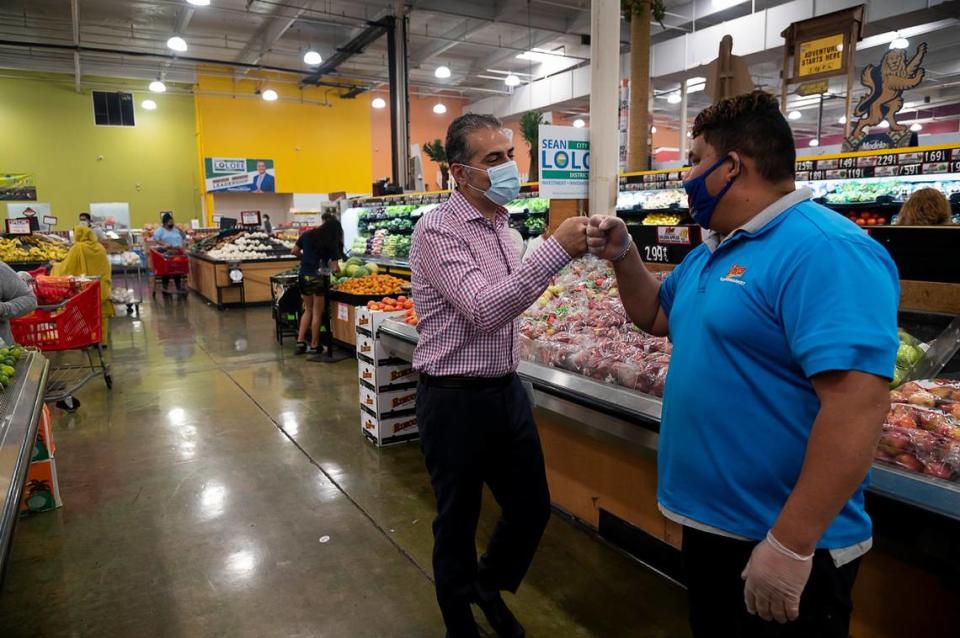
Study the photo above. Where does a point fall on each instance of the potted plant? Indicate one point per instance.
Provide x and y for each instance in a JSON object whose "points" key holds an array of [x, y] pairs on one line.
{"points": [[438, 154], [530, 130]]}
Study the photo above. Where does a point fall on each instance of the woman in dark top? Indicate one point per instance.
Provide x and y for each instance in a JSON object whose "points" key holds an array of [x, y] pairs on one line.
{"points": [[318, 250]]}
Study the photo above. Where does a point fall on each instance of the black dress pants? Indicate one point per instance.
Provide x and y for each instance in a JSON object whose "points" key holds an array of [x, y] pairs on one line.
{"points": [[471, 435], [713, 565]]}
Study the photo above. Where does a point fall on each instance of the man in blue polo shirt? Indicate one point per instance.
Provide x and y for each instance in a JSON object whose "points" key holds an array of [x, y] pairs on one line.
{"points": [[784, 330]]}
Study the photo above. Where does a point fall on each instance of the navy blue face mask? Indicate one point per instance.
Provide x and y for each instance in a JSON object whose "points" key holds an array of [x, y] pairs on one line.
{"points": [[701, 202]]}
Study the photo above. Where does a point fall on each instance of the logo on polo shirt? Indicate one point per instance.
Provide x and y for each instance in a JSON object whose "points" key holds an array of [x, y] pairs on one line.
{"points": [[734, 275]]}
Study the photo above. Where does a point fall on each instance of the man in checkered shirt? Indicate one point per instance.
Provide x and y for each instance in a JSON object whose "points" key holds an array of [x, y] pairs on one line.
{"points": [[476, 425]]}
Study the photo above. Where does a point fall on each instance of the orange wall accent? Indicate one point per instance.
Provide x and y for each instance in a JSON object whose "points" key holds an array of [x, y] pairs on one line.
{"points": [[425, 126]]}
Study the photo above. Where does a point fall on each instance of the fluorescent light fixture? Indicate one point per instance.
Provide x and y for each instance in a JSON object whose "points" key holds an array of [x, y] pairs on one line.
{"points": [[578, 123], [538, 55], [899, 42], [795, 115], [157, 87], [312, 58], [442, 72], [511, 80], [696, 84], [176, 43], [814, 142], [270, 95], [842, 120], [378, 103], [199, 3], [149, 105], [916, 127], [439, 108], [674, 98]]}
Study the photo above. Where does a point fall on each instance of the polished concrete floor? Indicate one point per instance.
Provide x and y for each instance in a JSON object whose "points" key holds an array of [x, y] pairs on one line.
{"points": [[223, 489]]}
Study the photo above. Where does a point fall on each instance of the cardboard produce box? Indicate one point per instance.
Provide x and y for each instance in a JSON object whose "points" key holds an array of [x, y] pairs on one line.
{"points": [[388, 430], [387, 403], [382, 377], [370, 348], [368, 321], [42, 489]]}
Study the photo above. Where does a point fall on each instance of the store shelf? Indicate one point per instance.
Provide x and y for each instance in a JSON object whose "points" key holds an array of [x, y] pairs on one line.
{"points": [[934, 495], [20, 408]]}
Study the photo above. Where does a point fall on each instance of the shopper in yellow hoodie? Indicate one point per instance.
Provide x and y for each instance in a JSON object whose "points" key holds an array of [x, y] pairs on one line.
{"points": [[88, 257]]}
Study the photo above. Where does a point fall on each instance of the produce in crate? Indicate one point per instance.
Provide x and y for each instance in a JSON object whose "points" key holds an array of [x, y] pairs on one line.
{"points": [[868, 218], [922, 429], [579, 325], [909, 353], [372, 285], [32, 249], [390, 304], [359, 245], [9, 358], [238, 245], [662, 219]]}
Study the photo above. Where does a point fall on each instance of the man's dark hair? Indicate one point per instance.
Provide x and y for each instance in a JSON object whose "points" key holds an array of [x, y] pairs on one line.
{"points": [[265, 216], [456, 147], [85, 216], [751, 124]]}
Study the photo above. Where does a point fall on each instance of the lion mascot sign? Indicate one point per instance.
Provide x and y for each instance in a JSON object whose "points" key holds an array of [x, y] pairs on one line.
{"points": [[884, 99]]}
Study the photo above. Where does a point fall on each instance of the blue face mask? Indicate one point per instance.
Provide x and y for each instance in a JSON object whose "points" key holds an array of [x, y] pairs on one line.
{"points": [[702, 203], [504, 182]]}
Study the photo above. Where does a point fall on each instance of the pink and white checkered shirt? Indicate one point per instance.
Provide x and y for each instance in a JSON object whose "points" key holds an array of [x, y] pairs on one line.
{"points": [[471, 289]]}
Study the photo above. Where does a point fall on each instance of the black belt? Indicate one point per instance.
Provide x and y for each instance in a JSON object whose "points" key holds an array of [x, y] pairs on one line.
{"points": [[467, 383]]}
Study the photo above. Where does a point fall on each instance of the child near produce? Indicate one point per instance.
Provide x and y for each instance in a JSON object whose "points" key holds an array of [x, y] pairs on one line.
{"points": [[318, 250], [926, 207]]}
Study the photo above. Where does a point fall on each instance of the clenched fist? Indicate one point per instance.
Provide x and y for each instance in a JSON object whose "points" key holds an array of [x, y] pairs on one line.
{"points": [[572, 235], [607, 237]]}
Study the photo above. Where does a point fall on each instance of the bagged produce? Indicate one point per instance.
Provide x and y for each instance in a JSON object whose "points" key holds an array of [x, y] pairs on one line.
{"points": [[579, 325], [922, 429]]}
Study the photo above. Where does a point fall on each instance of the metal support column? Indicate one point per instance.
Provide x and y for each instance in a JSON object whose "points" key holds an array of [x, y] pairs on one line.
{"points": [[399, 96], [604, 93]]}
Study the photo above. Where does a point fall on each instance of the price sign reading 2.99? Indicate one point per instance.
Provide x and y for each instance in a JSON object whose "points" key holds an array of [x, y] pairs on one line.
{"points": [[656, 254]]}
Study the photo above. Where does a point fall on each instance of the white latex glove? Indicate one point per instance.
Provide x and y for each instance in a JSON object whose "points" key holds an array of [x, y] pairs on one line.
{"points": [[775, 578]]}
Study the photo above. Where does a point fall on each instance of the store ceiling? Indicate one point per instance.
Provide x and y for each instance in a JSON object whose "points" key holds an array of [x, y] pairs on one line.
{"points": [[478, 40]]}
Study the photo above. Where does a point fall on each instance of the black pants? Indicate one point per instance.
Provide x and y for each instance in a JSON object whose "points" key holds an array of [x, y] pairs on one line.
{"points": [[471, 436], [713, 565], [177, 279]]}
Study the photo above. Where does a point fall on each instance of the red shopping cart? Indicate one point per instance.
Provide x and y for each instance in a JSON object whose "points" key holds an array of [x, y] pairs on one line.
{"points": [[75, 323], [173, 264]]}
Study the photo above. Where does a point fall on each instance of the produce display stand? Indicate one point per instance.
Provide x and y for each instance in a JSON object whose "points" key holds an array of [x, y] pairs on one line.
{"points": [[342, 308], [74, 324], [21, 405], [208, 275]]}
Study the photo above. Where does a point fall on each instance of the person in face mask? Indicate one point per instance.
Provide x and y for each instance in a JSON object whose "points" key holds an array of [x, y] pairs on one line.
{"points": [[475, 421], [86, 220], [784, 330], [171, 238]]}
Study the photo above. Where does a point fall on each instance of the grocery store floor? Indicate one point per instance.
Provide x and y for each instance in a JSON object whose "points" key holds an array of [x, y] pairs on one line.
{"points": [[223, 489]]}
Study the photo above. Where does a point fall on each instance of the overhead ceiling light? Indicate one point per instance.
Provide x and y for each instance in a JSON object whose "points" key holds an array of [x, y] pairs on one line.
{"points": [[269, 95], [674, 98], [149, 105], [200, 3], [884, 124], [653, 129], [916, 127], [899, 42], [795, 115], [157, 86], [842, 120], [538, 55], [176, 43], [378, 103], [439, 108], [696, 84], [442, 72], [511, 80], [312, 58], [814, 142], [578, 123]]}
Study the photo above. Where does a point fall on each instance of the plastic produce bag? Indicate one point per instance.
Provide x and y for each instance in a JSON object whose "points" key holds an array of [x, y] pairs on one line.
{"points": [[922, 429]]}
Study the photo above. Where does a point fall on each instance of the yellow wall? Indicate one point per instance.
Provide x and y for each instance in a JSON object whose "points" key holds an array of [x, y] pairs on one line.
{"points": [[315, 148], [47, 129]]}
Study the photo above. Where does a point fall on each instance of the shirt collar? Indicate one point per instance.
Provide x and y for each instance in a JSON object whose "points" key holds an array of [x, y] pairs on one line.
{"points": [[756, 223], [463, 209]]}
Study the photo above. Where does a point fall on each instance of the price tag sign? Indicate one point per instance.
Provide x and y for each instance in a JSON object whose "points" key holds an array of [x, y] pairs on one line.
{"points": [[250, 217], [20, 226], [673, 235], [343, 312], [49, 220], [665, 244]]}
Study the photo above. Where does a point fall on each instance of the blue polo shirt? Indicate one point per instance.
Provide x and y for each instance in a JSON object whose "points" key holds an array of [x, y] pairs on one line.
{"points": [[798, 291]]}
